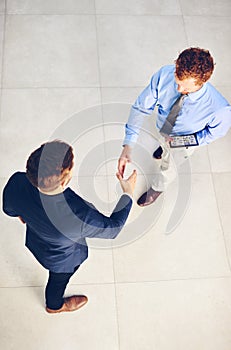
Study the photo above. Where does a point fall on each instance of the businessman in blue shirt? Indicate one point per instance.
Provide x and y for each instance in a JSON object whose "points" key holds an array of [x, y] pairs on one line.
{"points": [[205, 113], [58, 221]]}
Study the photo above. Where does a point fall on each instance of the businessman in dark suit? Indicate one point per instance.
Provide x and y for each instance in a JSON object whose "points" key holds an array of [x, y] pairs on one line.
{"points": [[58, 221]]}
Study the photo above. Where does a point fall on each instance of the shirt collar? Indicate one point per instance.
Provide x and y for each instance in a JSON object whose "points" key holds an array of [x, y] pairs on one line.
{"points": [[197, 94]]}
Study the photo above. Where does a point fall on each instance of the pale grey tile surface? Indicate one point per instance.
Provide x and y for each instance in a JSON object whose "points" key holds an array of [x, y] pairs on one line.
{"points": [[212, 33], [50, 7], [2, 6], [139, 7], [177, 315], [195, 248], [219, 154], [33, 116], [50, 51], [206, 7], [148, 43], [222, 187], [30, 327], [120, 95], [2, 21]]}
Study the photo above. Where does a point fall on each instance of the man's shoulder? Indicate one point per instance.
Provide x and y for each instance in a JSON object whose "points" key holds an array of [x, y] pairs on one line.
{"points": [[17, 177], [74, 199], [16, 183]]}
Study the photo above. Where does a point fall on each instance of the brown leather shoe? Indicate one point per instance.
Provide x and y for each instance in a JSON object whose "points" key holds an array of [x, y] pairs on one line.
{"points": [[72, 303], [148, 197]]}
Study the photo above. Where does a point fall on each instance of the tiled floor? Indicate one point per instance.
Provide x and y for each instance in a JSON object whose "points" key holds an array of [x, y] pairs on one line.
{"points": [[148, 290]]}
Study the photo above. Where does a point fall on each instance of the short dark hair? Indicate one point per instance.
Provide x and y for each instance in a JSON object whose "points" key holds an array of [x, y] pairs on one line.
{"points": [[194, 63], [48, 165]]}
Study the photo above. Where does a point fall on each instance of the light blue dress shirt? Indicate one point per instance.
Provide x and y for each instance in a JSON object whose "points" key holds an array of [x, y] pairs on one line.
{"points": [[204, 112]]}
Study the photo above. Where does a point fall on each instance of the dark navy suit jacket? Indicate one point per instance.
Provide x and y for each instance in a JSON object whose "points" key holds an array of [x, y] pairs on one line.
{"points": [[57, 225]]}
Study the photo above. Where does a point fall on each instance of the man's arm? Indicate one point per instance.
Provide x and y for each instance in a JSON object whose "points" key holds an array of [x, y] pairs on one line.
{"points": [[98, 225], [143, 106], [218, 127]]}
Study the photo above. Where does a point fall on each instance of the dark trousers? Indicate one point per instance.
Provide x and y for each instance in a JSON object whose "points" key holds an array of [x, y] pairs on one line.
{"points": [[55, 288]]}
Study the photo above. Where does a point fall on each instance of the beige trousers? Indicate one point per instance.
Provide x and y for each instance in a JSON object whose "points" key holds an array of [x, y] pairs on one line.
{"points": [[170, 163]]}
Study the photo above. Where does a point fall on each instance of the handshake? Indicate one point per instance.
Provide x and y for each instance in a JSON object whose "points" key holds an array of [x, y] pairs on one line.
{"points": [[127, 185]]}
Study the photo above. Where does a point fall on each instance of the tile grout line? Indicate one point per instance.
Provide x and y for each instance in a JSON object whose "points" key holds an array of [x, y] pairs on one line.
{"points": [[116, 14], [100, 92], [130, 282], [73, 87], [105, 155], [184, 24], [116, 300]]}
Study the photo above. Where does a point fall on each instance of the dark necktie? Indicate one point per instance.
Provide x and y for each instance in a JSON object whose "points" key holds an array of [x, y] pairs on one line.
{"points": [[171, 118]]}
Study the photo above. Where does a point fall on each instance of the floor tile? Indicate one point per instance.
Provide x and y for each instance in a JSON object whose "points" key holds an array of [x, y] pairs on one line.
{"points": [[206, 7], [222, 187], [219, 154], [88, 141], [120, 95], [127, 55], [2, 6], [47, 114], [138, 7], [50, 7], [26, 325], [47, 51], [194, 247], [2, 19], [212, 33], [176, 315]]}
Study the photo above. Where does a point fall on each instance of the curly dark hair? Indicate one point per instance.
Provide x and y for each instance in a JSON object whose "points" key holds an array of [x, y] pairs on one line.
{"points": [[48, 165], [194, 63]]}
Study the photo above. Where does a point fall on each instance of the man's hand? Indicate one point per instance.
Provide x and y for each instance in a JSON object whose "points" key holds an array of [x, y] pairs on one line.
{"points": [[124, 158], [168, 139], [21, 219], [128, 185]]}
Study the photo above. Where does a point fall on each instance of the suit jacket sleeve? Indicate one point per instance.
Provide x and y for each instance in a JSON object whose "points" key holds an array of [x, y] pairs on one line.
{"points": [[96, 224]]}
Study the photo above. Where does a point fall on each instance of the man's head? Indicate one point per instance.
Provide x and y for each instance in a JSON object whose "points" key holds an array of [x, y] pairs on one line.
{"points": [[194, 66], [49, 166]]}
